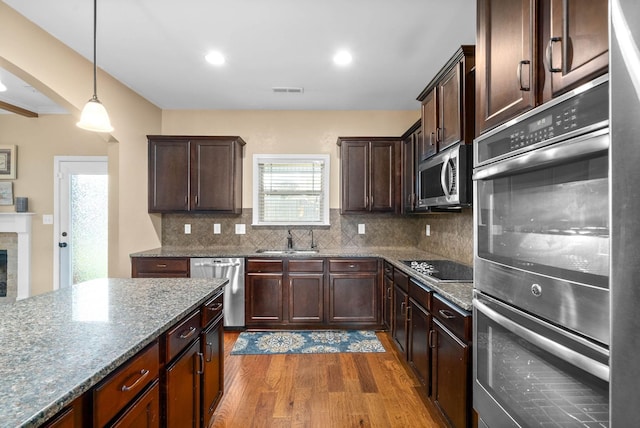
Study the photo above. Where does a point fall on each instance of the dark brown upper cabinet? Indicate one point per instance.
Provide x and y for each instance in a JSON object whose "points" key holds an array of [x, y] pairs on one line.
{"points": [[505, 60], [195, 173], [370, 174], [448, 105], [529, 51], [411, 141]]}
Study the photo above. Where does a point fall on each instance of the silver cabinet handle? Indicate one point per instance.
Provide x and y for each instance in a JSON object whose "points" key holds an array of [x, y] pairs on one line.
{"points": [[446, 314], [519, 74], [188, 334], [552, 40], [201, 360], [126, 388]]}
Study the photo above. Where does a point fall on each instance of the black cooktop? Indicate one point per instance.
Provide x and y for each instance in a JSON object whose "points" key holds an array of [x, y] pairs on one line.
{"points": [[442, 270]]}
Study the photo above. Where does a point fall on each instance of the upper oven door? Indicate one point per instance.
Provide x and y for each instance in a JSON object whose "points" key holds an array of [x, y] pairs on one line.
{"points": [[542, 232], [547, 211]]}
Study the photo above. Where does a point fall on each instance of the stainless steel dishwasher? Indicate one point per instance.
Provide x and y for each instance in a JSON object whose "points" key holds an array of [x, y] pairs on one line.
{"points": [[233, 270]]}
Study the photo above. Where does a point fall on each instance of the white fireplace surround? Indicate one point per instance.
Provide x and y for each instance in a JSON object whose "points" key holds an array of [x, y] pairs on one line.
{"points": [[20, 223]]}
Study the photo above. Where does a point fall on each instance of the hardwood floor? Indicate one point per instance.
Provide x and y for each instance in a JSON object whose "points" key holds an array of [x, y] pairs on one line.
{"points": [[319, 390]]}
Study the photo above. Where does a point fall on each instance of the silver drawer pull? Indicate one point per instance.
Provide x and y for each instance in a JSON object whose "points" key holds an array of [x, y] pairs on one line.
{"points": [[446, 314], [215, 307], [143, 373], [188, 334], [161, 265]]}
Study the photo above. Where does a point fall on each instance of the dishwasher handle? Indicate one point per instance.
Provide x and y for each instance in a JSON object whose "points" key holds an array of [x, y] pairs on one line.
{"points": [[209, 263]]}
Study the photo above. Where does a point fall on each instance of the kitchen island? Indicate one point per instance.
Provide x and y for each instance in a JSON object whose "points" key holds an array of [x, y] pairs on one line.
{"points": [[56, 346]]}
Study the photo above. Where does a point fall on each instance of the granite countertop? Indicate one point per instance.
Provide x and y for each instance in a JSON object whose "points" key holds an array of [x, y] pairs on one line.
{"points": [[459, 293], [55, 346]]}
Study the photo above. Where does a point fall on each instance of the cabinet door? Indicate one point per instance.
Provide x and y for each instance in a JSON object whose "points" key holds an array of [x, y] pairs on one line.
{"points": [[399, 332], [213, 175], [450, 126], [264, 298], [409, 146], [213, 376], [182, 388], [169, 163], [505, 60], [306, 295], [578, 49], [450, 383], [353, 298], [144, 413], [354, 164], [418, 352], [429, 144], [387, 303], [384, 159]]}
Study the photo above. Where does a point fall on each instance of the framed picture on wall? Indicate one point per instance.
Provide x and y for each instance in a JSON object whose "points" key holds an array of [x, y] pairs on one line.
{"points": [[6, 193], [8, 162]]}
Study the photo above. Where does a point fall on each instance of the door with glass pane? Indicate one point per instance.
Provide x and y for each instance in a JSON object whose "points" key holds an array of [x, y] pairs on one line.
{"points": [[81, 219]]}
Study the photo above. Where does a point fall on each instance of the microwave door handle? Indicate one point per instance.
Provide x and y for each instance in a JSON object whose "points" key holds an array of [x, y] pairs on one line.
{"points": [[550, 155], [443, 176], [596, 368]]}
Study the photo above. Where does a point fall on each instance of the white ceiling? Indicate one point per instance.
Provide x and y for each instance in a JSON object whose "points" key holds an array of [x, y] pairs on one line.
{"points": [[157, 48]]}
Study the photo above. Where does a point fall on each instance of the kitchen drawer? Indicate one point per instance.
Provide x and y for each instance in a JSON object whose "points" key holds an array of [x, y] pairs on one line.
{"points": [[388, 270], [181, 335], [212, 309], [452, 317], [401, 279], [117, 390], [168, 266], [353, 265], [145, 412], [420, 294], [264, 265], [315, 265]]}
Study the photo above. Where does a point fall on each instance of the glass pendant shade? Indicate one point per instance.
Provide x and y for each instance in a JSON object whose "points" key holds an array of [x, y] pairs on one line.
{"points": [[94, 117]]}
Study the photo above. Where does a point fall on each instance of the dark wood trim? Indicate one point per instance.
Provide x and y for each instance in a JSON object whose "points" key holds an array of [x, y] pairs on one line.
{"points": [[17, 110]]}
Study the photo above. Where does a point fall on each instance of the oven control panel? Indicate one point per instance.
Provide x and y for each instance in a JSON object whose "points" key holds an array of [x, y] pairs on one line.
{"points": [[572, 114]]}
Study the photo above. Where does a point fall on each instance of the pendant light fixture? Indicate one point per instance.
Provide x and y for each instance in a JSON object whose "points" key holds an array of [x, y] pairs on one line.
{"points": [[94, 116]]}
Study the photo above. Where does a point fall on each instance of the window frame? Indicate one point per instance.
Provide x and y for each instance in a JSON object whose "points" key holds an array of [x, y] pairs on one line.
{"points": [[289, 158]]}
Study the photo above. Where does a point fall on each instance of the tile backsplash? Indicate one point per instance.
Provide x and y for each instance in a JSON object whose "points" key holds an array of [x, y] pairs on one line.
{"points": [[452, 234]]}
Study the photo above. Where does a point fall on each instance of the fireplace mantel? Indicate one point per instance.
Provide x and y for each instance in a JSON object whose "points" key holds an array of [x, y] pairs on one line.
{"points": [[20, 223]]}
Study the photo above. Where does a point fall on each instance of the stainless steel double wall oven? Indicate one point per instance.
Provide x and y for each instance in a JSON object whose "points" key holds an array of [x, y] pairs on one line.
{"points": [[541, 298]]}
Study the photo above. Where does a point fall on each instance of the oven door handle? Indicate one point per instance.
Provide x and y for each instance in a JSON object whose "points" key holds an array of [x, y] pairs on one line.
{"points": [[583, 362], [553, 154]]}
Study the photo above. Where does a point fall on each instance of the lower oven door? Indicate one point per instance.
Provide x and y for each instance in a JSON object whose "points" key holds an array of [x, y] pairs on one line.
{"points": [[528, 373]]}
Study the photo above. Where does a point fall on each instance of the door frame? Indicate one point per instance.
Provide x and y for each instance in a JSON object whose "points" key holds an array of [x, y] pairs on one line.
{"points": [[57, 175]]}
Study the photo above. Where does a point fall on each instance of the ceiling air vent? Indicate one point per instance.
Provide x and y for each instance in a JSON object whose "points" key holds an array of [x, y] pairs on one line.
{"points": [[287, 90]]}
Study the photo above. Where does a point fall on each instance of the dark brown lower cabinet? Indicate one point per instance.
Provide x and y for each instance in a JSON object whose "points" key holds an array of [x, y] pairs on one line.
{"points": [[450, 386], [399, 331], [264, 298], [182, 388], [353, 298], [145, 412], [306, 295], [419, 354], [213, 376], [387, 302]]}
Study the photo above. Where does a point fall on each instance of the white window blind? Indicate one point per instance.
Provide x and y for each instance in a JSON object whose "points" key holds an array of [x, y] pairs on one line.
{"points": [[291, 190]]}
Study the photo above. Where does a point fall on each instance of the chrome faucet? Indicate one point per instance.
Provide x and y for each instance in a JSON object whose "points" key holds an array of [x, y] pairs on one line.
{"points": [[289, 240], [313, 244]]}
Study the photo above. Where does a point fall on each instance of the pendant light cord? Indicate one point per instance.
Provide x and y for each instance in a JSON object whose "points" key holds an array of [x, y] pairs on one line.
{"points": [[95, 67]]}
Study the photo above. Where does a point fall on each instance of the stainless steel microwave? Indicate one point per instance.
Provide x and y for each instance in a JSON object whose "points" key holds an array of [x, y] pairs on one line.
{"points": [[444, 180]]}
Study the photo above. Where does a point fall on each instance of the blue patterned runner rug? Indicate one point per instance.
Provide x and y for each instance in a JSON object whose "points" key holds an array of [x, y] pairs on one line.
{"points": [[306, 342]]}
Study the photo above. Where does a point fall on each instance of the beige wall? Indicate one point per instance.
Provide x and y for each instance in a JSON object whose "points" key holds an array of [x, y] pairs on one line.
{"points": [[295, 132], [67, 78], [38, 141]]}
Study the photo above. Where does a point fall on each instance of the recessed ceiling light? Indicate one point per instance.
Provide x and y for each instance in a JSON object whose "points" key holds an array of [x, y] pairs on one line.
{"points": [[215, 58], [2, 87], [342, 58]]}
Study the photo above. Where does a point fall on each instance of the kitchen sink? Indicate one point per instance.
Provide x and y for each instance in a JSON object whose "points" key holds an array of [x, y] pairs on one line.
{"points": [[292, 251]]}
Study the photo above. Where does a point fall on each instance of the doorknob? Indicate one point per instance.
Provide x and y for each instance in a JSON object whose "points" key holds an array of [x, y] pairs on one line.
{"points": [[62, 244]]}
